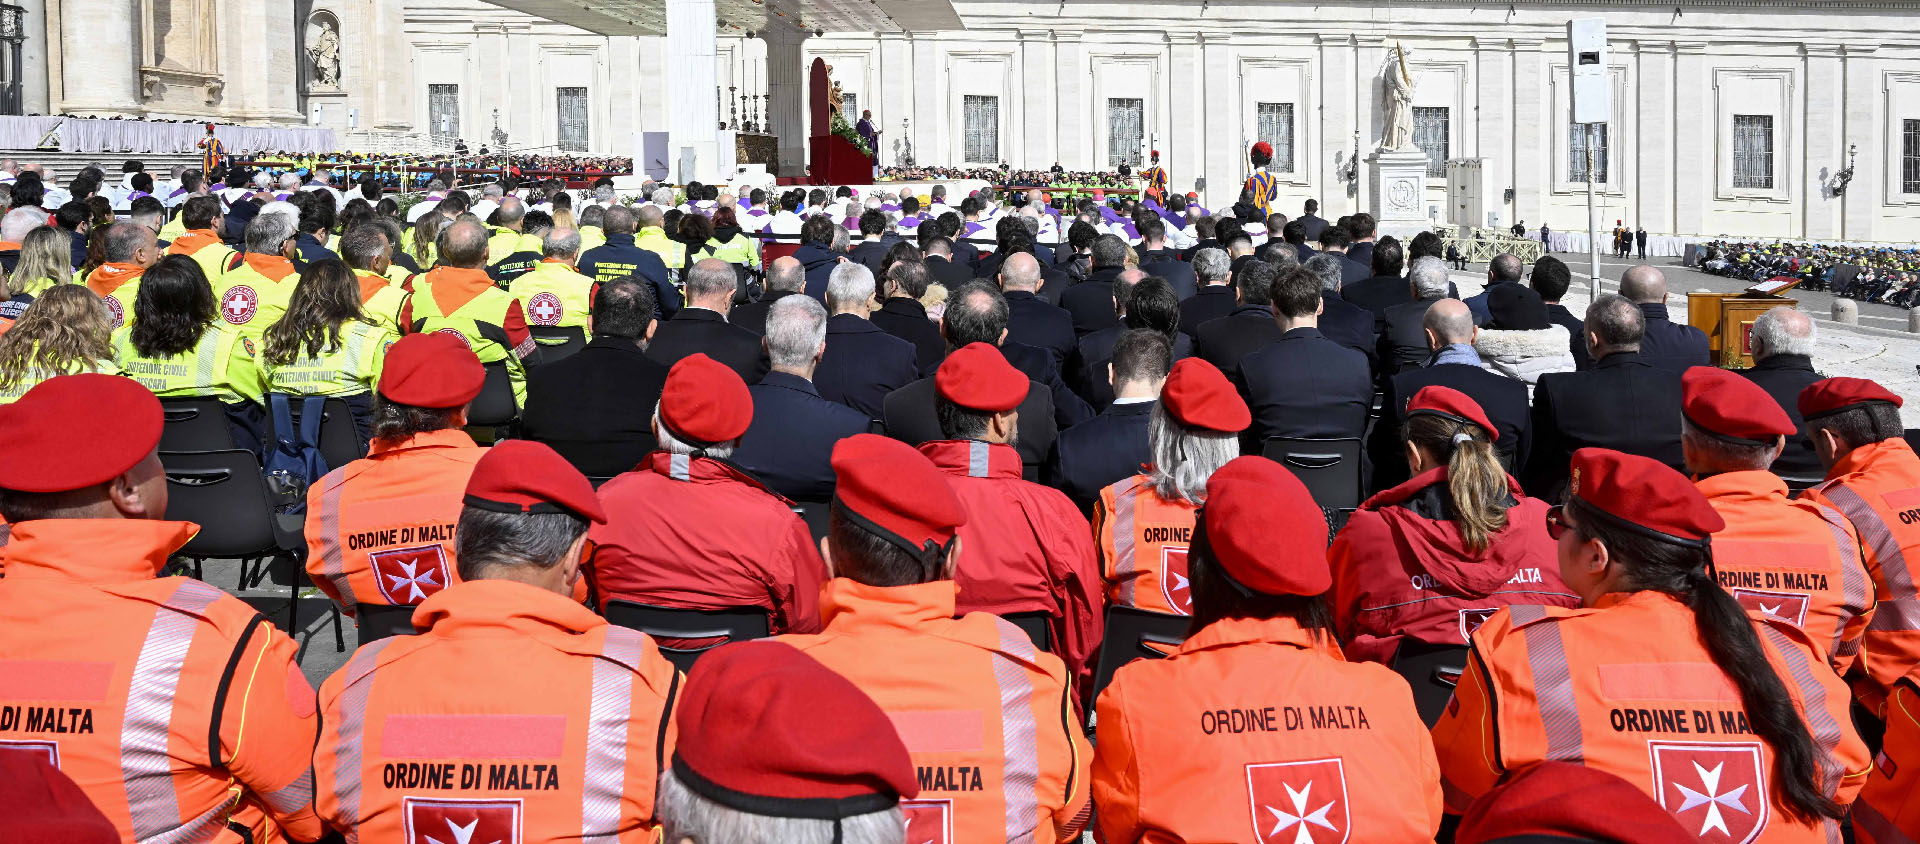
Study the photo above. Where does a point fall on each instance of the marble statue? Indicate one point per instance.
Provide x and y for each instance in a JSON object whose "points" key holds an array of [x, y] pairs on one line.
{"points": [[325, 54], [1396, 132]]}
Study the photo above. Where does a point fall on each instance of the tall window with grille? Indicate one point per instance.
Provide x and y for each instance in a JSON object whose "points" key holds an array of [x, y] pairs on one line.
{"points": [[1753, 151], [850, 107], [1126, 124], [980, 114], [1273, 123], [1430, 126], [443, 111], [1910, 156], [1577, 137], [571, 105]]}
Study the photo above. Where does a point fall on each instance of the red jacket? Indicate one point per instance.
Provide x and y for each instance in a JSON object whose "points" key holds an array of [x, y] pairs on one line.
{"points": [[1024, 548], [698, 533], [1402, 569]]}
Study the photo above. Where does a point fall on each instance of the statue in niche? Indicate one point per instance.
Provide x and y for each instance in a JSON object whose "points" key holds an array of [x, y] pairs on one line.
{"points": [[324, 52], [1396, 132]]}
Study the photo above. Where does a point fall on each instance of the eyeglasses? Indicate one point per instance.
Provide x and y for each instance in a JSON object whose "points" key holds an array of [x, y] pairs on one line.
{"points": [[1557, 523]]}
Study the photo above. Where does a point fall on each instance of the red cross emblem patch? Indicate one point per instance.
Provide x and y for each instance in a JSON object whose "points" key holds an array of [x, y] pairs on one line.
{"points": [[928, 821], [1790, 607], [1173, 579], [545, 309], [1299, 802], [239, 304], [1471, 619], [445, 821], [457, 335], [1717, 790], [44, 749], [409, 575], [116, 313]]}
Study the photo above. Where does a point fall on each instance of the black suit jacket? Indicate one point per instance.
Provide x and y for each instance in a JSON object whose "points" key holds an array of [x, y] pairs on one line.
{"points": [[1504, 400], [1361, 253], [1672, 345], [910, 417], [1403, 345], [948, 273], [1783, 377], [698, 330], [1304, 385], [1030, 320], [1377, 294], [1623, 403], [1313, 225], [1227, 341], [1091, 302], [1349, 325], [862, 365], [752, 316], [1353, 271], [1101, 451], [1086, 370], [870, 253], [595, 407], [906, 319], [1208, 303], [1068, 409], [789, 444], [1179, 274], [1576, 330]]}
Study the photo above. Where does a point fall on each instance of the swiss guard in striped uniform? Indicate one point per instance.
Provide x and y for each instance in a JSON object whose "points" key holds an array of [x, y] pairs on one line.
{"points": [[1156, 179], [1264, 187], [212, 152]]}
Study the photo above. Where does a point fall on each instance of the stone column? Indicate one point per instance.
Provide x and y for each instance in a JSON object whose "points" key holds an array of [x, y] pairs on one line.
{"points": [[1533, 139], [623, 118], [1864, 87], [1183, 152], [1337, 124], [931, 132], [1493, 71], [1225, 155], [896, 97], [1074, 144], [1652, 147], [100, 59], [1695, 164], [693, 118], [786, 93], [33, 56], [1037, 102], [1826, 147]]}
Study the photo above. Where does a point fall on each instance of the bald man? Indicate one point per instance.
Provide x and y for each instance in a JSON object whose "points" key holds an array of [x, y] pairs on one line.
{"points": [[1783, 344], [1449, 327], [785, 277], [1668, 344], [1030, 319]]}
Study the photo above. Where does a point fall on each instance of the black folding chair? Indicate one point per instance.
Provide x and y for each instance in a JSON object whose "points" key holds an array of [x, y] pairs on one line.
{"points": [[738, 624], [222, 492], [814, 513], [195, 424], [495, 406], [558, 342], [378, 621], [1136, 634], [1432, 671], [340, 441], [1036, 626], [1330, 468], [1797, 485], [290, 570]]}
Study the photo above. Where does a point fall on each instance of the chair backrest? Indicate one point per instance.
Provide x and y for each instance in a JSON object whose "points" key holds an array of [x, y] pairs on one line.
{"points": [[737, 624], [770, 250], [1036, 625], [558, 342], [195, 424], [1330, 468], [221, 491], [379, 621], [814, 513], [1136, 634], [495, 405], [1913, 438], [339, 440], [1432, 671]]}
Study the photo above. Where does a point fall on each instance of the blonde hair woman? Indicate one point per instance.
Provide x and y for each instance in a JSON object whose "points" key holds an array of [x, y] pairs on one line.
{"points": [[45, 257], [64, 332]]}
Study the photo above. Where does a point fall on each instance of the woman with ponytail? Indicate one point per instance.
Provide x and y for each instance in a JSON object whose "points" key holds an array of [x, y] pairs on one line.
{"points": [[1733, 723], [1420, 565]]}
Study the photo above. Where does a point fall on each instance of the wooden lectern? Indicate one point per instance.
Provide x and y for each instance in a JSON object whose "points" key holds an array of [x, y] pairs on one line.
{"points": [[1727, 318]]}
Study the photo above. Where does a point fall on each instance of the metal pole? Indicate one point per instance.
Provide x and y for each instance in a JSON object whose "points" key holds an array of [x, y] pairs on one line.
{"points": [[1593, 223]]}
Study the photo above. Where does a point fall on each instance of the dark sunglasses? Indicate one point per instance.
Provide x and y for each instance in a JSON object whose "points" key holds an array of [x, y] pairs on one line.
{"points": [[1557, 523]]}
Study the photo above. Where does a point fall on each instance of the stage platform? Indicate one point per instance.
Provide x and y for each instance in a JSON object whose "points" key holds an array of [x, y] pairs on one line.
{"points": [[956, 188]]}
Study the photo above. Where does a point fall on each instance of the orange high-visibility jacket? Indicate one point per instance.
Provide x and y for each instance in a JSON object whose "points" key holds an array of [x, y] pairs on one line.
{"points": [[1143, 547], [1252, 732], [380, 529], [516, 715], [1024, 548], [1793, 560], [989, 720], [116, 285], [122, 679], [1888, 811], [1626, 687], [1877, 487]]}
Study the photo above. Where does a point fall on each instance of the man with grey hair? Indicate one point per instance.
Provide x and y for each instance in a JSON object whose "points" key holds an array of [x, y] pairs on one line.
{"points": [[1623, 402], [1667, 344], [1213, 271], [862, 363], [490, 196], [1783, 344], [1091, 301], [702, 325], [794, 428], [1447, 332], [289, 183], [558, 299], [18, 222], [603, 196], [1341, 321], [1404, 344]]}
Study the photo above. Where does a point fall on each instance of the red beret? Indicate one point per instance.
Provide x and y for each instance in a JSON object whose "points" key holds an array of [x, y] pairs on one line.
{"points": [[73, 431], [978, 377], [704, 402], [896, 489], [1156, 153], [1193, 195], [1099, 194], [1828, 396], [435, 370], [1561, 800], [1265, 529], [1449, 403], [1263, 148], [1731, 407], [523, 476], [1645, 493], [41, 805], [1198, 396], [753, 739]]}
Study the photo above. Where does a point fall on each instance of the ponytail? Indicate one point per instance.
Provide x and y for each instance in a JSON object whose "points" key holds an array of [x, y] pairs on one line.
{"points": [[1475, 479], [1727, 633]]}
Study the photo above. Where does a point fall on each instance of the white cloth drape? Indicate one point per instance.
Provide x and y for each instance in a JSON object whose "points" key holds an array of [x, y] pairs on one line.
{"points": [[79, 134]]}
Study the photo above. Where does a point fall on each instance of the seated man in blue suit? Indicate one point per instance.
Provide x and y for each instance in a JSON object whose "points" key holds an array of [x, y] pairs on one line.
{"points": [[1110, 447], [790, 443]]}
